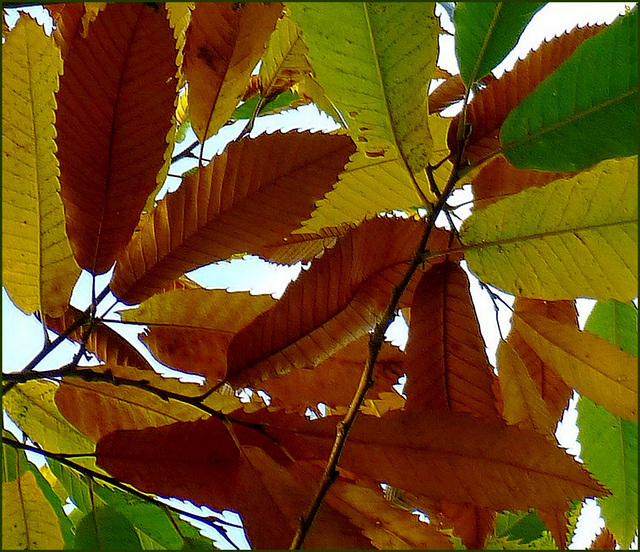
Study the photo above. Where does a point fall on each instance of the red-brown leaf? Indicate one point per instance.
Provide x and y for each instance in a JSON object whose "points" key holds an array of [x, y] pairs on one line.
{"points": [[225, 41], [490, 106], [256, 192], [336, 301], [447, 366], [112, 125], [105, 342], [334, 381]]}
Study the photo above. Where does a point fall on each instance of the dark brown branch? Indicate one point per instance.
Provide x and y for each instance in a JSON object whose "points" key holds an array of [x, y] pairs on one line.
{"points": [[65, 460], [186, 153], [366, 379]]}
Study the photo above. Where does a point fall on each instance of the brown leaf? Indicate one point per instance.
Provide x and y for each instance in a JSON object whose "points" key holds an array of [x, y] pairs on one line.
{"points": [[111, 127], [446, 457], [472, 525], [248, 196], [336, 301], [67, 17], [334, 381], [236, 469], [98, 409], [447, 366], [224, 43], [536, 395], [452, 90], [499, 178], [556, 523], [604, 541], [105, 342], [302, 247], [190, 329], [490, 106]]}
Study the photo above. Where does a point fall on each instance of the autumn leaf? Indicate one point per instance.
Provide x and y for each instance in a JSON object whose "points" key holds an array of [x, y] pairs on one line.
{"points": [[215, 212], [224, 43], [336, 301], [39, 269], [534, 396], [334, 380], [570, 123], [105, 342], [596, 368], [447, 367], [486, 32], [573, 237], [190, 329], [28, 520], [126, 112]]}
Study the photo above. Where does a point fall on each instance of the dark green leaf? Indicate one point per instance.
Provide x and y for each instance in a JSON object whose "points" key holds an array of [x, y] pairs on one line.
{"points": [[106, 529], [486, 32], [280, 102], [519, 526], [585, 111]]}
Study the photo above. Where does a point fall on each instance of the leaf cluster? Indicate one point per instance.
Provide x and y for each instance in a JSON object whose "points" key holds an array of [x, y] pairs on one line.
{"points": [[296, 421]]}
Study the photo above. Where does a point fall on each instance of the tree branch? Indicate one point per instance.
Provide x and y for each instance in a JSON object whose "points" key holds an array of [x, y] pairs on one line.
{"points": [[366, 379], [65, 460]]}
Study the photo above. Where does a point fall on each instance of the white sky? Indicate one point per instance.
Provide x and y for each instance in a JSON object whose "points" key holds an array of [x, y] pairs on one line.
{"points": [[22, 336]]}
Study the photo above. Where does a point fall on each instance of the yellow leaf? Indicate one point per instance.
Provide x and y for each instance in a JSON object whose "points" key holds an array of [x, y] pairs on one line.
{"points": [[596, 368], [28, 519], [39, 269], [91, 11], [32, 407]]}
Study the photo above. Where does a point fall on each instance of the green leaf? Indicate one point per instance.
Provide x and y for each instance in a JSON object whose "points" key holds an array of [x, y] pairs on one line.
{"points": [[375, 61], [280, 102], [610, 452], [14, 461], [573, 237], [519, 526], [585, 111], [486, 32], [106, 529], [609, 443]]}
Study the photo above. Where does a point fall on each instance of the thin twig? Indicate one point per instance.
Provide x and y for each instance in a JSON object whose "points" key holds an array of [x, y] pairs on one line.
{"points": [[80, 321], [376, 341], [187, 152], [64, 459]]}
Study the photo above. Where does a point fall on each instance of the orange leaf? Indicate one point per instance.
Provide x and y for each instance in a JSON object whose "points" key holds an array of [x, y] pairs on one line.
{"points": [[105, 342], [337, 300], [604, 541], [549, 387], [225, 41], [190, 329], [98, 409], [447, 366], [334, 381], [490, 106], [302, 247], [445, 457], [112, 125], [499, 178], [248, 196]]}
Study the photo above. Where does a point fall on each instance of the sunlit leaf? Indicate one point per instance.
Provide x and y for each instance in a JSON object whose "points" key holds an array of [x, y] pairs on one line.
{"points": [[119, 139], [224, 43], [486, 32], [573, 237], [190, 329], [216, 211], [375, 62], [596, 368], [32, 407], [583, 113], [106, 529], [337, 300], [39, 269], [28, 519]]}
